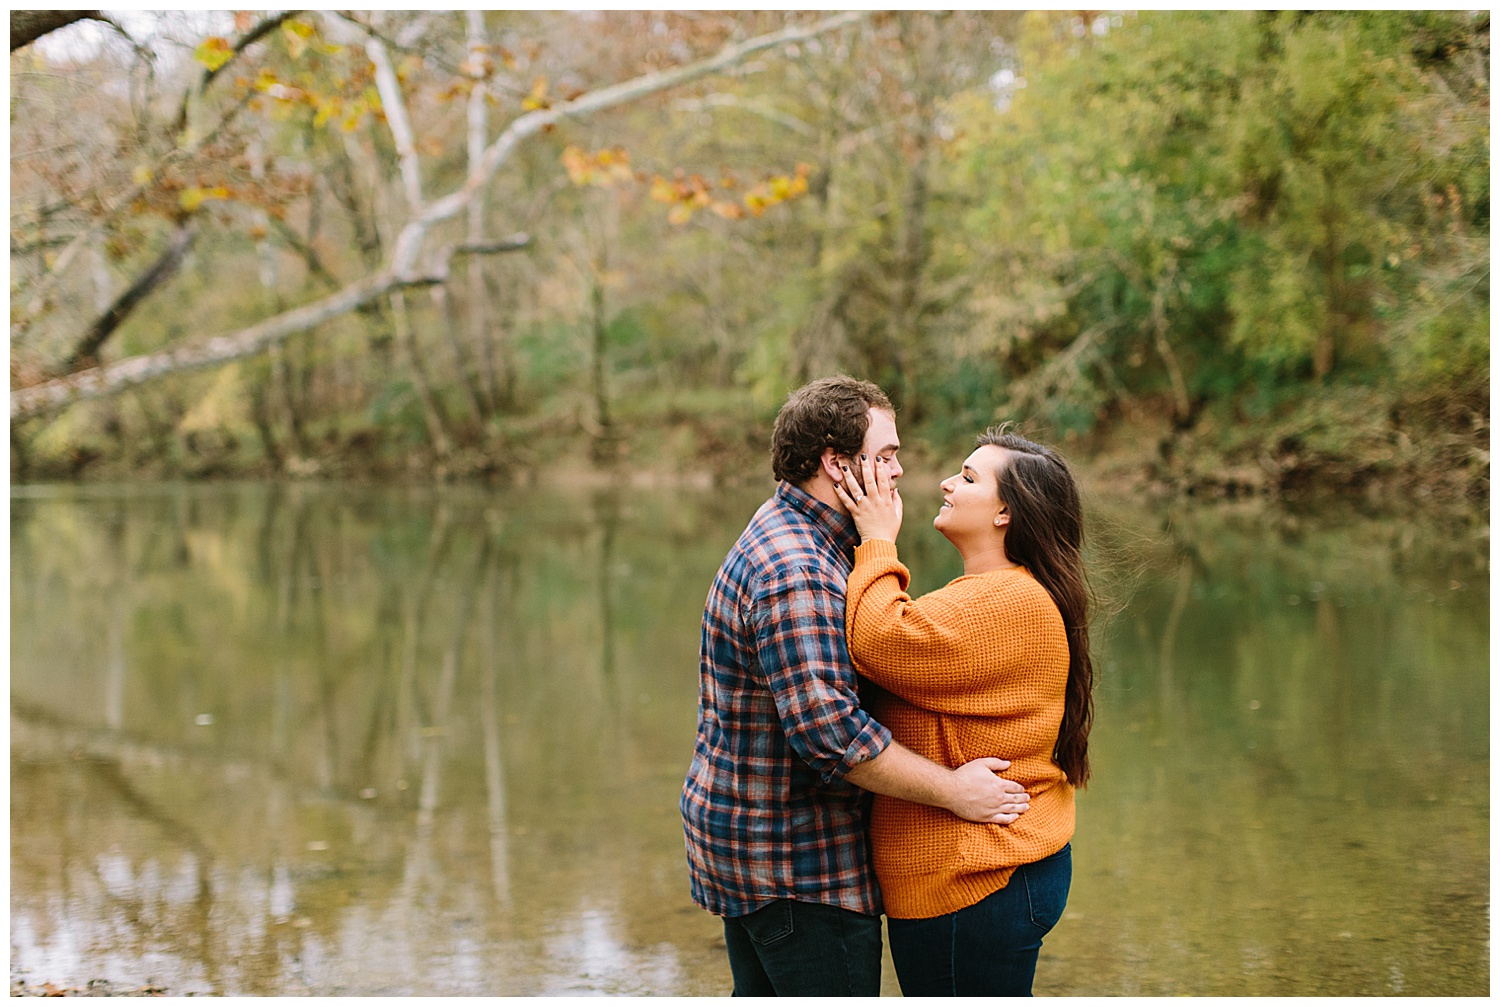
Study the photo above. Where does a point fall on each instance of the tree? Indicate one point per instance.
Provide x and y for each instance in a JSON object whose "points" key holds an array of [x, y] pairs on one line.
{"points": [[409, 262]]}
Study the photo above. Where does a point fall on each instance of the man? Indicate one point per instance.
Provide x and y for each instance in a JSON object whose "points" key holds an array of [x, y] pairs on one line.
{"points": [[775, 803]]}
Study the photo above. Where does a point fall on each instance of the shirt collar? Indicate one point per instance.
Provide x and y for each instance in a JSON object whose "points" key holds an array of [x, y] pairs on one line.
{"points": [[839, 526]]}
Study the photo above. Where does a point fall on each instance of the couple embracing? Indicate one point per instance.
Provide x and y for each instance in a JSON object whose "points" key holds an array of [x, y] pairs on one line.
{"points": [[850, 737]]}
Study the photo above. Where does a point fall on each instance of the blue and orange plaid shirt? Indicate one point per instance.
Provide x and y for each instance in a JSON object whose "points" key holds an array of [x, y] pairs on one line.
{"points": [[766, 810]]}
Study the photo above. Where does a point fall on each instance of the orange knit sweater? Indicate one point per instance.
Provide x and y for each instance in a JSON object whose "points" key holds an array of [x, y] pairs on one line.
{"points": [[976, 668]]}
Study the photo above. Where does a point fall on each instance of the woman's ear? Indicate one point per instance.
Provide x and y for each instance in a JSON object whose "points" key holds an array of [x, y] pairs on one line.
{"points": [[1003, 518]]}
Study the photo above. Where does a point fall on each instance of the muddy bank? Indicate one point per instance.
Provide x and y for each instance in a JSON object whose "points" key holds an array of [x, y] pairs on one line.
{"points": [[1352, 444]]}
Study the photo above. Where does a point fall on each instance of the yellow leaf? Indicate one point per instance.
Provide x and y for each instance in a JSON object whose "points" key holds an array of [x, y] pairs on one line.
{"points": [[195, 196], [680, 214], [663, 191], [213, 52], [142, 174], [326, 110], [538, 96]]}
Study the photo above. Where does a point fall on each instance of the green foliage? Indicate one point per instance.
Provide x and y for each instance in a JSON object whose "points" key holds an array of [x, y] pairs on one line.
{"points": [[1239, 198], [1074, 220]]}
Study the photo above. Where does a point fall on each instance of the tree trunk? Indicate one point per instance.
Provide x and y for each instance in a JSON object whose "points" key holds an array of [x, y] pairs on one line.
{"points": [[1182, 405], [432, 410], [603, 432], [87, 349], [467, 372], [482, 332], [910, 263]]}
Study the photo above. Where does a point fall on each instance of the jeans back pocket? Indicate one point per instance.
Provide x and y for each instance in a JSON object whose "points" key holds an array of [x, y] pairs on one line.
{"points": [[1047, 882], [769, 924]]}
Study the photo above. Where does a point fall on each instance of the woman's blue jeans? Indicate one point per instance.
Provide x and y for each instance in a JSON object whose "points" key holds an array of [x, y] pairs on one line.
{"points": [[991, 947]]}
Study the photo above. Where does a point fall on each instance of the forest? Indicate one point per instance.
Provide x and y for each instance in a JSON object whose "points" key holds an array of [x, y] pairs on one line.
{"points": [[1215, 254]]}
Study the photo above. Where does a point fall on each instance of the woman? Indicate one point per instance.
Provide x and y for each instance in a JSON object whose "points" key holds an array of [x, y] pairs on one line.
{"points": [[995, 663]]}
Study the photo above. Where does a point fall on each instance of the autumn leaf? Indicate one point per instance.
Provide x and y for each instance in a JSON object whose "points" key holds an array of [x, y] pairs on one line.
{"points": [[459, 87], [575, 162], [296, 34], [213, 52], [603, 168], [680, 214], [195, 196], [538, 96], [729, 211], [663, 191], [327, 109]]}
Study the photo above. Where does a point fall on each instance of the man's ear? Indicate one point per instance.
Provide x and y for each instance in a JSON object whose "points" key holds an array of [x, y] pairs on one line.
{"points": [[829, 463]]}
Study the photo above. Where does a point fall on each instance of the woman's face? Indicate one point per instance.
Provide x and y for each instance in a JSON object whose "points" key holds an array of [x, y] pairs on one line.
{"points": [[971, 501]]}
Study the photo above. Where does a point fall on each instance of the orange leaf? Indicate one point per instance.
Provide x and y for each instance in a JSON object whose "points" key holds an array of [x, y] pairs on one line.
{"points": [[663, 191]]}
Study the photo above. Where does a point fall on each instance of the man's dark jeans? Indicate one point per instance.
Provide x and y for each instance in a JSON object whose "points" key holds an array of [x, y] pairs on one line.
{"points": [[991, 947], [792, 948]]}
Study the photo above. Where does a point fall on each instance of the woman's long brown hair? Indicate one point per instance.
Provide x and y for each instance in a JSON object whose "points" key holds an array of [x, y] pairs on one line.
{"points": [[1046, 537]]}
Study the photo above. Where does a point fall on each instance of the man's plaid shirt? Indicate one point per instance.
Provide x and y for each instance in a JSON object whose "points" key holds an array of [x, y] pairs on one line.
{"points": [[766, 810]]}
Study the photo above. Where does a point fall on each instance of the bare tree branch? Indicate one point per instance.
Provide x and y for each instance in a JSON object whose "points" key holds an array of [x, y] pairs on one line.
{"points": [[394, 106], [26, 26], [114, 316]]}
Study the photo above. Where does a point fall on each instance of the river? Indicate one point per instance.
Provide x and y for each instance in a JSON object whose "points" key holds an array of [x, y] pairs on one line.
{"points": [[354, 740]]}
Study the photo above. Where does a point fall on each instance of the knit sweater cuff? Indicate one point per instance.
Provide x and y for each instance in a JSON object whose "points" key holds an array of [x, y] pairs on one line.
{"points": [[874, 549]]}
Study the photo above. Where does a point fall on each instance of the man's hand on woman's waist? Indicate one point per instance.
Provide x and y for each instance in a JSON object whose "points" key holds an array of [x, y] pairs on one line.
{"points": [[972, 791]]}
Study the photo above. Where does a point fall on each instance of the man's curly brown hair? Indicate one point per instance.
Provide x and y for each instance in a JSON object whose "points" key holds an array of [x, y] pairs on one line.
{"points": [[827, 413]]}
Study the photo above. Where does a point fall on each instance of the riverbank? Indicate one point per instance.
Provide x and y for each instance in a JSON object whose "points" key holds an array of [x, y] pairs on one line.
{"points": [[1351, 444]]}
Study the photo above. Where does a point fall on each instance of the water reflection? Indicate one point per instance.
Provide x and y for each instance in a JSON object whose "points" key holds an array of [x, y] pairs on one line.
{"points": [[312, 740]]}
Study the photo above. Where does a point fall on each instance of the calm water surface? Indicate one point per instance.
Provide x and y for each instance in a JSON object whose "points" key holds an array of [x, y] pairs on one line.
{"points": [[320, 740]]}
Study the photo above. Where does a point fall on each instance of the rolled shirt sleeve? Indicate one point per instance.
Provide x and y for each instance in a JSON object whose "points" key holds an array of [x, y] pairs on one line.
{"points": [[798, 619]]}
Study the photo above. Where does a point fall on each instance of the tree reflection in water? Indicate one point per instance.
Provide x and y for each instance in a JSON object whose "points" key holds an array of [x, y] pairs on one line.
{"points": [[333, 740]]}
